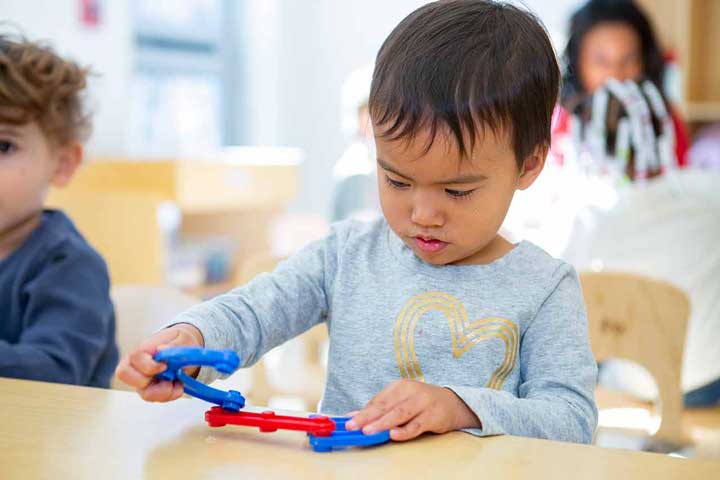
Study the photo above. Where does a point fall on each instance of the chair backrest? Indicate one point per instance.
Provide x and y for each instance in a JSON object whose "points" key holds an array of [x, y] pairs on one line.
{"points": [[141, 310], [644, 320], [667, 229]]}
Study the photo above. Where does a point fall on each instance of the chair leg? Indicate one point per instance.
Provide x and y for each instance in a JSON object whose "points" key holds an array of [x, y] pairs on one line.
{"points": [[671, 405]]}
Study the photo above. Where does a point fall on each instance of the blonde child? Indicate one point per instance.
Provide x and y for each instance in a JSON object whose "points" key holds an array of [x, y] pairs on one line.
{"points": [[57, 321]]}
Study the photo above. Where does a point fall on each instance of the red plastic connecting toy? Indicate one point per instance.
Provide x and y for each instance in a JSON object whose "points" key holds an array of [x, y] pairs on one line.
{"points": [[268, 421]]}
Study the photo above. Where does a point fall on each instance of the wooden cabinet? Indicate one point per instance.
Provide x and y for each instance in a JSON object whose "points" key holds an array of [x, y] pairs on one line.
{"points": [[115, 204]]}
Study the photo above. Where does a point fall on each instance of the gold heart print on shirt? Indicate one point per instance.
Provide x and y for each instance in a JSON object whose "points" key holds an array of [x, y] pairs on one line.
{"points": [[464, 334]]}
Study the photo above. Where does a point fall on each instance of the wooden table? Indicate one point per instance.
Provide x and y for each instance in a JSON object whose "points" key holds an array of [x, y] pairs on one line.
{"points": [[58, 431]]}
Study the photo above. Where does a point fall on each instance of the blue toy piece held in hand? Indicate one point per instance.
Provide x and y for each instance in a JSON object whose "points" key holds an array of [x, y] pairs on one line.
{"points": [[224, 361]]}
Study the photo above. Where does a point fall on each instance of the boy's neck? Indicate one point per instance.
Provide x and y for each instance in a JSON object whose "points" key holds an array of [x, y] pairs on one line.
{"points": [[496, 249], [13, 237]]}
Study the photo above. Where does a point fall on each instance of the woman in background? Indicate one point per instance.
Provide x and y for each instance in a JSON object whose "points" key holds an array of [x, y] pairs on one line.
{"points": [[610, 39], [612, 51]]}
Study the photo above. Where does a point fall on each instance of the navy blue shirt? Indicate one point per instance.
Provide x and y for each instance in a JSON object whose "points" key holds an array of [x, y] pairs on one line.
{"points": [[57, 323]]}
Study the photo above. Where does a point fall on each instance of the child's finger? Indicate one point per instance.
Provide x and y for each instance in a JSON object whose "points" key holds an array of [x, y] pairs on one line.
{"points": [[375, 409], [410, 430], [126, 373], [177, 390], [157, 391], [144, 363], [179, 339], [163, 337], [368, 414], [400, 414]]}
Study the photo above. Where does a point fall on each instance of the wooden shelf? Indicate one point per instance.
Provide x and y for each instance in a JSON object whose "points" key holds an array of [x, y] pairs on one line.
{"points": [[115, 204], [689, 28], [195, 186], [702, 112]]}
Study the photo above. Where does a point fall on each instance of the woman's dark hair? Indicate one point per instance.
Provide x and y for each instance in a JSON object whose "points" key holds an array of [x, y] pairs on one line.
{"points": [[464, 65], [591, 15]]}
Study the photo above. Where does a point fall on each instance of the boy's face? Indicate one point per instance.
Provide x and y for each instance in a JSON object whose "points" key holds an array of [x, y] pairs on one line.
{"points": [[29, 164], [449, 209]]}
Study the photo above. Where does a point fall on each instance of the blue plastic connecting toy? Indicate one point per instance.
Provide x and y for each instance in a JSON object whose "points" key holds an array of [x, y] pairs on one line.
{"points": [[225, 361], [343, 438]]}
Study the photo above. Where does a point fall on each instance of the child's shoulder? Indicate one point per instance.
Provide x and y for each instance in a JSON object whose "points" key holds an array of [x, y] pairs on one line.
{"points": [[57, 239], [530, 260], [351, 230]]}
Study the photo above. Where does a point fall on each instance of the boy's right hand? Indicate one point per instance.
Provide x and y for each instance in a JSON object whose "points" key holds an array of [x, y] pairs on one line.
{"points": [[138, 368]]}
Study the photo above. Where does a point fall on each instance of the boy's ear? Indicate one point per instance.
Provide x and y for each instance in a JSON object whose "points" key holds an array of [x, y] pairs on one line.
{"points": [[532, 166], [70, 157]]}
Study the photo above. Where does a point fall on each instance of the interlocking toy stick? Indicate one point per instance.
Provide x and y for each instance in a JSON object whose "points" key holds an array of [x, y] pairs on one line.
{"points": [[343, 438], [225, 361], [325, 433], [269, 421]]}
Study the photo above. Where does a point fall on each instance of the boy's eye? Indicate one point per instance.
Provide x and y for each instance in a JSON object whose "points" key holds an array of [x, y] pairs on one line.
{"points": [[395, 183], [6, 147], [459, 193]]}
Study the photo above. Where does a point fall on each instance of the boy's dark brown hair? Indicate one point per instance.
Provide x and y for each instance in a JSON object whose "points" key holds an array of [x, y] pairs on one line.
{"points": [[464, 65], [38, 85]]}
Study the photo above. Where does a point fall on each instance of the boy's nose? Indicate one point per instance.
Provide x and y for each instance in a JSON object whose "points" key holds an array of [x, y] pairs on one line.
{"points": [[425, 214]]}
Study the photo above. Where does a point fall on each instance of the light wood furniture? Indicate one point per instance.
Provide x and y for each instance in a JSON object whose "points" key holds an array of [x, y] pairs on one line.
{"points": [[195, 186], [115, 204], [123, 227], [690, 29], [59, 431], [643, 320]]}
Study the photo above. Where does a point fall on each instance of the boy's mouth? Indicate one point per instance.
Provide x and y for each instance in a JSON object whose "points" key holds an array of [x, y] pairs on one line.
{"points": [[429, 244]]}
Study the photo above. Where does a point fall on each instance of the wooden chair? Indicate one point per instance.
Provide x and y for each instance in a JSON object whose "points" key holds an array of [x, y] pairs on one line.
{"points": [[642, 320]]}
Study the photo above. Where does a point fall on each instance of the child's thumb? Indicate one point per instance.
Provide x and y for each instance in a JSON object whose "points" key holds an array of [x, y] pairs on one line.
{"points": [[180, 338], [175, 341]]}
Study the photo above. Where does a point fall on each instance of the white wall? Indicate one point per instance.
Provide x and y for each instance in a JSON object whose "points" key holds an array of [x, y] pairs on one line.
{"points": [[321, 46], [298, 53], [294, 57], [105, 47]]}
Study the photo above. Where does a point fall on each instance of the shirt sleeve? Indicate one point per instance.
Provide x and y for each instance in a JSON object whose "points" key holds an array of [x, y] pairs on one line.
{"points": [[555, 397], [67, 322], [270, 309]]}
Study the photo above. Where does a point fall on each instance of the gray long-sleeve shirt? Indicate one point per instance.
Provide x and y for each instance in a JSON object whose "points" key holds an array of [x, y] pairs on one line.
{"points": [[509, 338]]}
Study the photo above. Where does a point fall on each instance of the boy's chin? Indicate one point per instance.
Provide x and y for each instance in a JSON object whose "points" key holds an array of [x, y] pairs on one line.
{"points": [[437, 260]]}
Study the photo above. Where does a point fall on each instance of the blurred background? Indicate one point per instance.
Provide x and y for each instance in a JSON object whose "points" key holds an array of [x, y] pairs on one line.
{"points": [[185, 78], [228, 134], [181, 82]]}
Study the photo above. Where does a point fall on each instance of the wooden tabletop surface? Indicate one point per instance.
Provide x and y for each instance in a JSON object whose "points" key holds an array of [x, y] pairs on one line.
{"points": [[60, 431]]}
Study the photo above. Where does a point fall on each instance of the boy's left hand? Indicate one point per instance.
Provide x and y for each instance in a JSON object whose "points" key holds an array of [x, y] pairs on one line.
{"points": [[408, 408]]}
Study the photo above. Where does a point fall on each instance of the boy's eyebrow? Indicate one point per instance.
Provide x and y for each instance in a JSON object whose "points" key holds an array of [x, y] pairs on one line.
{"points": [[389, 168], [470, 178], [9, 132]]}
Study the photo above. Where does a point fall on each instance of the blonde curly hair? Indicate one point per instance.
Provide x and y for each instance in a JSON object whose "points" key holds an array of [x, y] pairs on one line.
{"points": [[36, 84]]}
